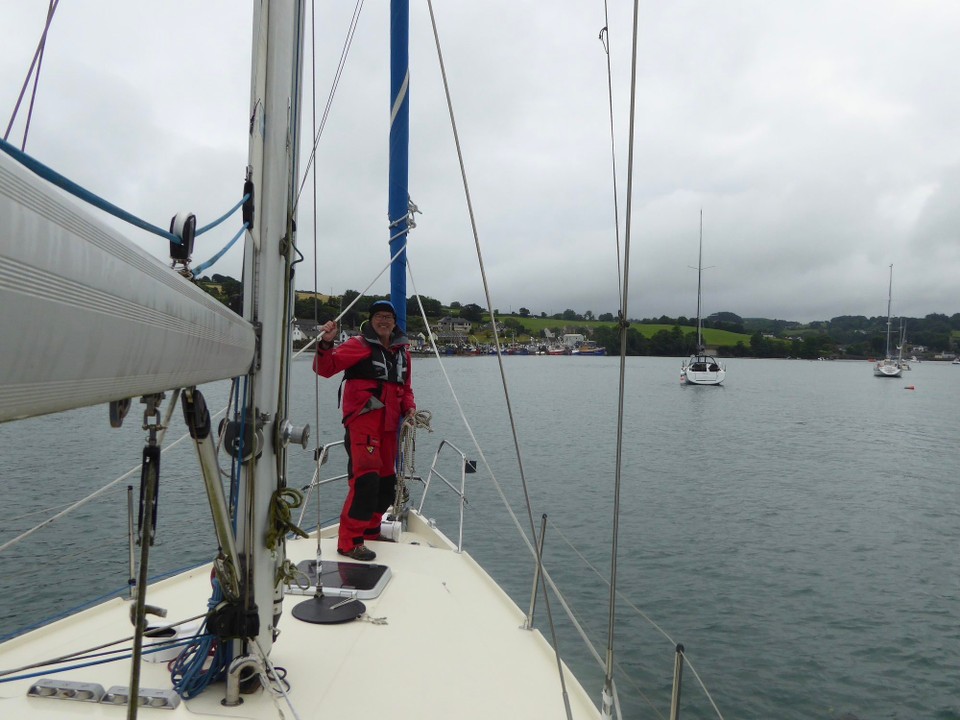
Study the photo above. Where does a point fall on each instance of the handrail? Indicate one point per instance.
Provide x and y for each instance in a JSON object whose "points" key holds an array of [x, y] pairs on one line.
{"points": [[465, 467]]}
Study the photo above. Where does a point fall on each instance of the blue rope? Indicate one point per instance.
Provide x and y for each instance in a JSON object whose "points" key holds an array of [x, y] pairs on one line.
{"points": [[187, 669], [223, 217], [71, 187], [203, 266]]}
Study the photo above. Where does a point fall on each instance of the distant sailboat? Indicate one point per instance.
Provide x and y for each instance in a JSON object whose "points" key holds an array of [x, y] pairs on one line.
{"points": [[904, 365], [889, 367], [700, 368]]}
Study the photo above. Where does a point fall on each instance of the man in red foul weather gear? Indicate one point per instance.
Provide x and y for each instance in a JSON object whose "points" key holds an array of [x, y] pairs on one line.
{"points": [[377, 396]]}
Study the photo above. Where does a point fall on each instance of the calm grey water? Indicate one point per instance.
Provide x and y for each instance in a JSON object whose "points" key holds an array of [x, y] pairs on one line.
{"points": [[797, 529]]}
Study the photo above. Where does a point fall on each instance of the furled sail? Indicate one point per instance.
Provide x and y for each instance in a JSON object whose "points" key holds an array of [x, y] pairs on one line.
{"points": [[108, 320]]}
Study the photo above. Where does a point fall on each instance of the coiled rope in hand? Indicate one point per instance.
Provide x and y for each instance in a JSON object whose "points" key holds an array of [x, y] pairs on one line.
{"points": [[408, 451]]}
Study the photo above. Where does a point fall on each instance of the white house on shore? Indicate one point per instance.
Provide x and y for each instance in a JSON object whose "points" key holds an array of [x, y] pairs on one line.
{"points": [[453, 326]]}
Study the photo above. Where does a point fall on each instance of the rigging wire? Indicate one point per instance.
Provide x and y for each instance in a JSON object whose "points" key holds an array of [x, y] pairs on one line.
{"points": [[626, 599], [312, 170], [309, 345], [523, 481], [608, 688], [37, 63], [92, 652], [548, 579], [273, 680], [605, 39], [621, 287], [318, 132]]}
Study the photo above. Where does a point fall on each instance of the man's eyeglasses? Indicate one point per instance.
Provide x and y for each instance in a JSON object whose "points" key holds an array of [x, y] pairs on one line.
{"points": [[383, 316]]}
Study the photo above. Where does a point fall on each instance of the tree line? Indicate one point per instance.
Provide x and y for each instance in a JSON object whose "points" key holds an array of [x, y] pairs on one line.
{"points": [[852, 336]]}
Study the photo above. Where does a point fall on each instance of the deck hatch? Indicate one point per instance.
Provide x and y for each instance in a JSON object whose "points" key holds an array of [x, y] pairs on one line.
{"points": [[364, 581]]}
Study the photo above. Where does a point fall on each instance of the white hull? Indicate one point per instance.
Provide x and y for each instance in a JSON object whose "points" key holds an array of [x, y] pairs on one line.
{"points": [[451, 646], [702, 370], [887, 368]]}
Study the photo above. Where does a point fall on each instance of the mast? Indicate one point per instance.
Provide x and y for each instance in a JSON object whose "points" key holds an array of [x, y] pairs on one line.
{"points": [[268, 284], [889, 300], [699, 276], [398, 199]]}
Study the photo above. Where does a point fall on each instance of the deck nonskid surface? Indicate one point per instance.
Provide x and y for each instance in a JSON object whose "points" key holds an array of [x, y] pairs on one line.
{"points": [[442, 640]]}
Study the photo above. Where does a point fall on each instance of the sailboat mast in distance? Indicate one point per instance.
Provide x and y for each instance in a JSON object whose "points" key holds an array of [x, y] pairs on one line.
{"points": [[700, 368], [699, 281]]}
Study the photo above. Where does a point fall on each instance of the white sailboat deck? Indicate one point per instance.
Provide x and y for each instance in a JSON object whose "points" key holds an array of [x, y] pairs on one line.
{"points": [[452, 644]]}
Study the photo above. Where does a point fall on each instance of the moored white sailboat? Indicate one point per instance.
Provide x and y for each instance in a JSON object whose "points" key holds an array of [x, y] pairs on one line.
{"points": [[889, 367], [701, 368]]}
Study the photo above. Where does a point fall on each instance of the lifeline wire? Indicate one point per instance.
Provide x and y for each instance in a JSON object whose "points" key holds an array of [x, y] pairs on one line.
{"points": [[641, 613], [83, 501]]}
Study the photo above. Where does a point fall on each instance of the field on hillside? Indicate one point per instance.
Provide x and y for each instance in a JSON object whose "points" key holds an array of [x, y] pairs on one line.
{"points": [[710, 336]]}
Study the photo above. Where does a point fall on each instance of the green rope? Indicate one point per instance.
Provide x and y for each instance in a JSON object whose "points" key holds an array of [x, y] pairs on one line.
{"points": [[281, 519]]}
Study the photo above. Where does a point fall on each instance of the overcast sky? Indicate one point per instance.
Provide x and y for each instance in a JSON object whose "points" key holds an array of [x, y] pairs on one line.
{"points": [[820, 140]]}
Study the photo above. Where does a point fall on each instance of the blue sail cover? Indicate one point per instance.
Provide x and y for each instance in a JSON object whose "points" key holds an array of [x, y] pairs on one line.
{"points": [[399, 153]]}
